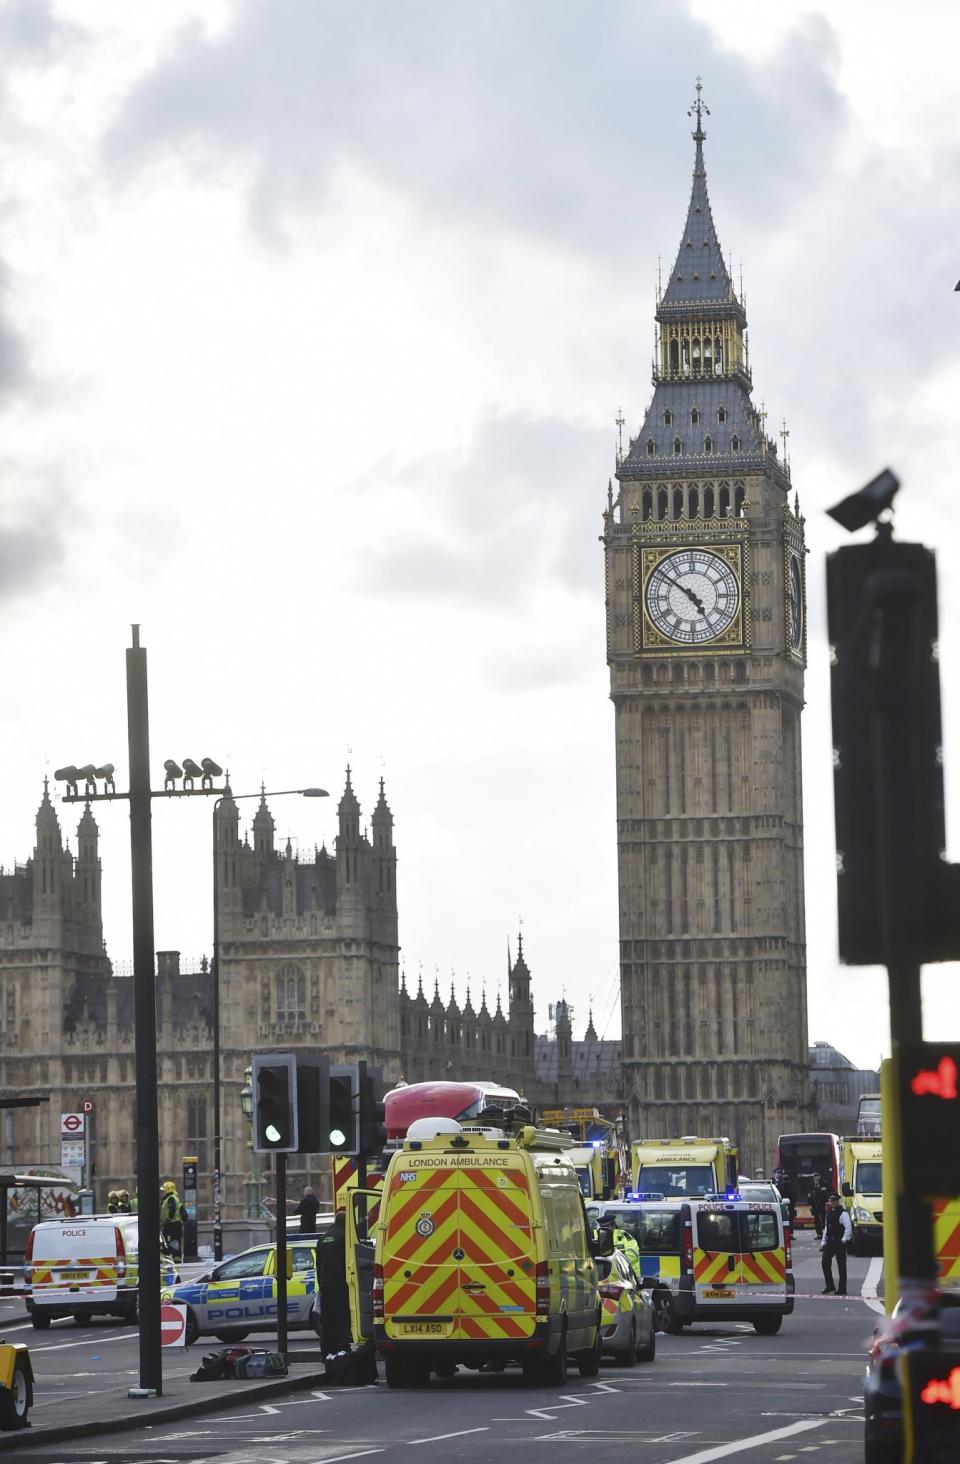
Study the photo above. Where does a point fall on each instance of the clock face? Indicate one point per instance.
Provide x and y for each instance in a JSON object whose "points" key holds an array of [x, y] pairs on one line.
{"points": [[795, 596], [692, 596]]}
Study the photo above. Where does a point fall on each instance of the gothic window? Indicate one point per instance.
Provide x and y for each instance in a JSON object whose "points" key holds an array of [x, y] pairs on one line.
{"points": [[693, 503], [648, 503], [695, 416], [709, 673], [651, 447], [740, 671], [708, 502], [648, 675], [678, 503], [674, 356], [291, 991], [707, 355], [738, 501], [685, 354], [661, 503], [721, 414], [724, 499], [734, 443], [668, 418], [718, 354], [696, 354], [197, 1131], [677, 447], [708, 443], [677, 672]]}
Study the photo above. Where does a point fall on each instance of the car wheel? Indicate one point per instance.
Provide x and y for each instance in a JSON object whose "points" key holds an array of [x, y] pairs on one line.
{"points": [[418, 1374], [192, 1331], [664, 1313], [555, 1367], [628, 1356], [40, 1320], [316, 1323], [880, 1451], [15, 1400], [233, 1334], [588, 1363], [767, 1326], [649, 1352], [395, 1371]]}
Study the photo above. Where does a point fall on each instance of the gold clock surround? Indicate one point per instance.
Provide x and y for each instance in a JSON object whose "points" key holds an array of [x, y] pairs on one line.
{"points": [[649, 639]]}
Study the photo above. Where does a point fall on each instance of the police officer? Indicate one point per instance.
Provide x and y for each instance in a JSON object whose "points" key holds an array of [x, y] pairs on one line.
{"points": [[123, 1203], [172, 1215], [335, 1333], [624, 1241], [837, 1235], [818, 1204]]}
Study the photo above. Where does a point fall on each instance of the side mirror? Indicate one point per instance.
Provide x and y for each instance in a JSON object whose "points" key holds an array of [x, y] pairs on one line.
{"points": [[601, 1241], [846, 1191]]}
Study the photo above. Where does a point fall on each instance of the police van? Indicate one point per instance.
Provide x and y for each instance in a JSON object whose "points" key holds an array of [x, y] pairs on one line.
{"points": [[716, 1258], [85, 1267], [483, 1255]]}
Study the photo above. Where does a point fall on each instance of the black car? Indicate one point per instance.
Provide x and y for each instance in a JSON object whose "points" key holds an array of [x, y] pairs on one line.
{"points": [[882, 1397]]}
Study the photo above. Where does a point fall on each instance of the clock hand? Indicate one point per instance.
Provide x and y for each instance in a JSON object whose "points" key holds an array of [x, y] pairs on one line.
{"points": [[694, 599]]}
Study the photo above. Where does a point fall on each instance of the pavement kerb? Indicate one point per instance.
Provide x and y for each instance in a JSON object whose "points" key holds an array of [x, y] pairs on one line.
{"points": [[147, 1412]]}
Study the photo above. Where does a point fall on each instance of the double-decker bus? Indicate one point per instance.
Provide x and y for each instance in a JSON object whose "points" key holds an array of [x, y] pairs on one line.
{"points": [[800, 1157], [462, 1101]]}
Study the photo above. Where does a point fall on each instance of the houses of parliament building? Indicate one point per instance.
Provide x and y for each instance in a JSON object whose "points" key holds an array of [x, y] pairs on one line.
{"points": [[309, 957]]}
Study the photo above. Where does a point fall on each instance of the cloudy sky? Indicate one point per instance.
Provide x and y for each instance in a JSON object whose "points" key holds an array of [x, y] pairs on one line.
{"points": [[315, 318]]}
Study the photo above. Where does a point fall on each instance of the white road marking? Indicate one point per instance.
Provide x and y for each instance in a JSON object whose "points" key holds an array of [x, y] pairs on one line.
{"points": [[335, 1459], [81, 1342], [435, 1438], [723, 1451], [605, 1388], [870, 1282]]}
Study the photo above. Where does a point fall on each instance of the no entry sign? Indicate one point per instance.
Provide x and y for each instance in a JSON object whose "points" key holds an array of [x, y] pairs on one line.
{"points": [[173, 1324]]}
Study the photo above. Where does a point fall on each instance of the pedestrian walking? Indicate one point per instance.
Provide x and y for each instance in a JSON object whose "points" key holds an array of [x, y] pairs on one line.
{"points": [[307, 1210], [335, 1333], [837, 1235], [172, 1215]]}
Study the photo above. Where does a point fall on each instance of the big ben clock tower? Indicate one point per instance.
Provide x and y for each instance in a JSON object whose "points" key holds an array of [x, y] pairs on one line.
{"points": [[706, 643]]}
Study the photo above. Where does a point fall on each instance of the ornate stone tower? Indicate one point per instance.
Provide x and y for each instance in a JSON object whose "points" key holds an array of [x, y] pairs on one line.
{"points": [[706, 641]]}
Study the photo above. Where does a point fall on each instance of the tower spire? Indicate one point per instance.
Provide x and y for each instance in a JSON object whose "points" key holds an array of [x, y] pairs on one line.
{"points": [[697, 110]]}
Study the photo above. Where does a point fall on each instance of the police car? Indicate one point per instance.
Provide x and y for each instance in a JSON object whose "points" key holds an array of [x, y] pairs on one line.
{"points": [[240, 1295]]}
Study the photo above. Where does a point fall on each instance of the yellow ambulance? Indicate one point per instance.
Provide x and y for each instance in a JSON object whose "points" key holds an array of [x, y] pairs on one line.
{"points": [[482, 1256]]}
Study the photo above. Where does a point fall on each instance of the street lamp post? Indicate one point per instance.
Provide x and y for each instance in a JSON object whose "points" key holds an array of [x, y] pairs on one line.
{"points": [[215, 1004], [140, 798]]}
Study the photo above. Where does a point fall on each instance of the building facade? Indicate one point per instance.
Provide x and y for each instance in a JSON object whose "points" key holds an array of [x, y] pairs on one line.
{"points": [[706, 644], [309, 958]]}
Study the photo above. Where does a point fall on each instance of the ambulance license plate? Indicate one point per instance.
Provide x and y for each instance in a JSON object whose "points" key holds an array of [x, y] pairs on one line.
{"points": [[720, 1293], [424, 1329]]}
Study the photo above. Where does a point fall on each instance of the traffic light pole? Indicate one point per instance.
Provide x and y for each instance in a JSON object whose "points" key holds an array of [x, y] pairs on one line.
{"points": [[282, 1255]]}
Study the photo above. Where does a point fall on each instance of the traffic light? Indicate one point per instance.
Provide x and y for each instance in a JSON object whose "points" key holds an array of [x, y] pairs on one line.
{"points": [[373, 1129], [313, 1100], [888, 759], [929, 1084], [931, 1403], [274, 1082], [343, 1129]]}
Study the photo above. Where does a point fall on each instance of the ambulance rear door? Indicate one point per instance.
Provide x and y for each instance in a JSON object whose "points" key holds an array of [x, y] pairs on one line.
{"points": [[458, 1257], [363, 1212]]}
